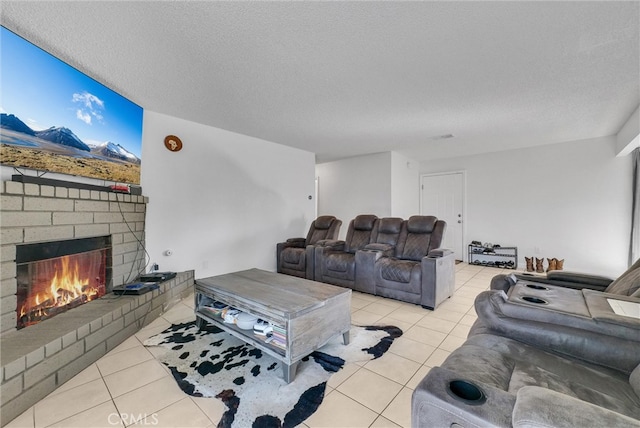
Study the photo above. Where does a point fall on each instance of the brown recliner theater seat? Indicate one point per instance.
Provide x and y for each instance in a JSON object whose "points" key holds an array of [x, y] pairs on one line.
{"points": [[296, 255], [336, 260], [419, 271]]}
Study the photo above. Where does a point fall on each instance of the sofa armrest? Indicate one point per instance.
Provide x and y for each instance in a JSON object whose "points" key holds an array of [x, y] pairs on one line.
{"points": [[540, 407], [333, 244], [383, 249], [503, 282], [434, 404], [438, 277], [439, 252], [365, 266], [324, 242], [296, 242]]}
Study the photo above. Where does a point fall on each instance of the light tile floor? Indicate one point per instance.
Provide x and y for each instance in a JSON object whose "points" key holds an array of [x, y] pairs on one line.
{"points": [[128, 387]]}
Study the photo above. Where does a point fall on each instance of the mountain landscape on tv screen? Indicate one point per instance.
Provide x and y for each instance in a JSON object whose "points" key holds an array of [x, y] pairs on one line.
{"points": [[58, 149]]}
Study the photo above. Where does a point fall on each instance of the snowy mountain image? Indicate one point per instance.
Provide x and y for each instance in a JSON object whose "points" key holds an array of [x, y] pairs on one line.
{"points": [[115, 151], [59, 149], [10, 121], [64, 136]]}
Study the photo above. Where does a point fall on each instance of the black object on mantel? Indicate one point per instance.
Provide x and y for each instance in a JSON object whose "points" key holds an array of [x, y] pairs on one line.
{"points": [[134, 190], [157, 276], [145, 283], [136, 288]]}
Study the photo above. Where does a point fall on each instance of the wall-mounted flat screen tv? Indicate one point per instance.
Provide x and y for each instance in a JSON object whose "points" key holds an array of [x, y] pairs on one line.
{"points": [[56, 119]]}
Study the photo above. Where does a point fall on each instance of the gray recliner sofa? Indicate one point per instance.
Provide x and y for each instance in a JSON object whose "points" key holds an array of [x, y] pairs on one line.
{"points": [[539, 355]]}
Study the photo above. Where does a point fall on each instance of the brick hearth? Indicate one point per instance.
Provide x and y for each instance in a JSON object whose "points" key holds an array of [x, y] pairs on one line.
{"points": [[39, 358]]}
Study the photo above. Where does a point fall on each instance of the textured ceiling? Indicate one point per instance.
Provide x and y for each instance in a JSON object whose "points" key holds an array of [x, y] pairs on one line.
{"points": [[348, 78]]}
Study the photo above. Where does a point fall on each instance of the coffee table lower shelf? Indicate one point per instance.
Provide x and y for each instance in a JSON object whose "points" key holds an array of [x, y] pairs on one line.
{"points": [[306, 326], [244, 335], [288, 368]]}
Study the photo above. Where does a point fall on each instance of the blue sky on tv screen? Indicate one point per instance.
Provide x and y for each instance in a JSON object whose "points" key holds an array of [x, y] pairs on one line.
{"points": [[43, 91]]}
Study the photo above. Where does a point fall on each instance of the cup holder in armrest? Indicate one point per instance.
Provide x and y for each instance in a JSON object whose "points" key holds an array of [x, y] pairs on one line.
{"points": [[537, 287], [535, 300], [466, 392]]}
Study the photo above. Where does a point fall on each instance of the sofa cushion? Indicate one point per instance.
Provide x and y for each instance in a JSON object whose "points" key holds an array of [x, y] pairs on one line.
{"points": [[388, 230], [364, 222], [293, 255], [340, 263], [400, 275], [416, 246], [541, 407], [324, 227], [360, 233], [396, 270], [421, 224], [324, 221]]}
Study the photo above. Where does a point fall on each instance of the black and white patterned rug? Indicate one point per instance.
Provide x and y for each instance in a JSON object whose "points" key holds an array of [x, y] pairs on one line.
{"points": [[213, 363]]}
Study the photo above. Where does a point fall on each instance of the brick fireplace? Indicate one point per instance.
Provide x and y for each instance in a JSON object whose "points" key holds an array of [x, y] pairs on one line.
{"points": [[38, 358], [38, 213]]}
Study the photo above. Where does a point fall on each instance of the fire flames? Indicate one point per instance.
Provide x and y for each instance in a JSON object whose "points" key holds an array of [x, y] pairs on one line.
{"points": [[70, 286]]}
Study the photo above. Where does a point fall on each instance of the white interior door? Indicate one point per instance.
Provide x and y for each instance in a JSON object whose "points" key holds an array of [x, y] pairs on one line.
{"points": [[442, 195]]}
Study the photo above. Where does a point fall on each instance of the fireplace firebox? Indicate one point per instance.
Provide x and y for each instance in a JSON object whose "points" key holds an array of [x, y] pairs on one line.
{"points": [[53, 277]]}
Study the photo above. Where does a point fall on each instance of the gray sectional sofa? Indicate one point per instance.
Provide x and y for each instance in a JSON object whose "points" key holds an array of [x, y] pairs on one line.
{"points": [[541, 355]]}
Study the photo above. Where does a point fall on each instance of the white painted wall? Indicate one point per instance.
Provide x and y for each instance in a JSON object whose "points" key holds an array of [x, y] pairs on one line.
{"points": [[571, 200], [353, 186], [223, 202], [628, 138], [405, 186], [385, 184]]}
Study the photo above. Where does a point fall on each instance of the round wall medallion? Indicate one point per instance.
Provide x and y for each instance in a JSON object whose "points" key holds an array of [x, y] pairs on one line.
{"points": [[173, 143]]}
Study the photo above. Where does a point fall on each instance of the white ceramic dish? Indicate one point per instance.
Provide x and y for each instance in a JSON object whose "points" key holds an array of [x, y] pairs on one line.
{"points": [[246, 321]]}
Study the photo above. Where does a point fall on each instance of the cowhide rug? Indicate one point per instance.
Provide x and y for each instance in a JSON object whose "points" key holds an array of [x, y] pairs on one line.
{"points": [[213, 363]]}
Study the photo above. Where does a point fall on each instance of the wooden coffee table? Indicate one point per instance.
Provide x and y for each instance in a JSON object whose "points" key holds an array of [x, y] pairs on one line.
{"points": [[305, 314]]}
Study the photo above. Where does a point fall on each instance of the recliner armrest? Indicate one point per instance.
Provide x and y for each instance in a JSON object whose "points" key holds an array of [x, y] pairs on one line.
{"points": [[437, 277], [384, 249], [541, 407], [296, 242], [439, 252], [323, 242], [333, 244]]}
